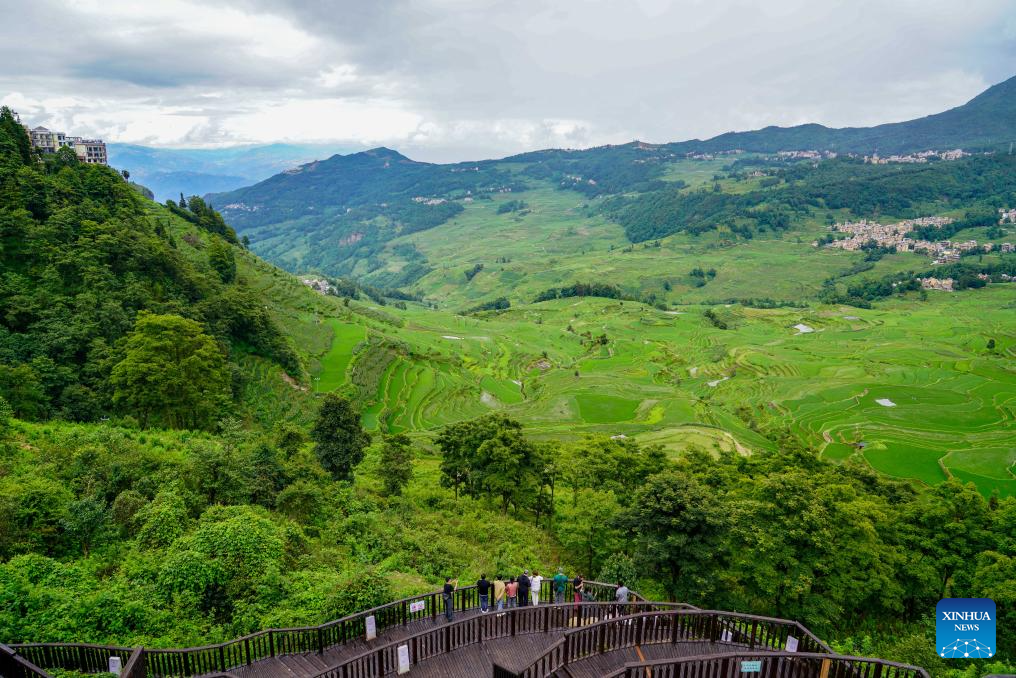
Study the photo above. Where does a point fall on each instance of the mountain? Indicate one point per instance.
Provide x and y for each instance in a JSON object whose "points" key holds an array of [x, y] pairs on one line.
{"points": [[341, 211], [348, 215], [171, 171], [988, 120]]}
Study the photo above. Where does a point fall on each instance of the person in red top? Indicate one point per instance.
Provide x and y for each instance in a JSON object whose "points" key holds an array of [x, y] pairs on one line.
{"points": [[512, 592]]}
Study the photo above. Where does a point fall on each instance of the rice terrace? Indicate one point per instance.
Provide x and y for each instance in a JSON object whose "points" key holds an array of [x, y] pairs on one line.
{"points": [[914, 396]]}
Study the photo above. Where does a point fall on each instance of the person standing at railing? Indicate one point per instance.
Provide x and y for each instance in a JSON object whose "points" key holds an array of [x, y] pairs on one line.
{"points": [[578, 587], [511, 591], [449, 596], [499, 591], [534, 587], [560, 584], [621, 596], [524, 588], [483, 589]]}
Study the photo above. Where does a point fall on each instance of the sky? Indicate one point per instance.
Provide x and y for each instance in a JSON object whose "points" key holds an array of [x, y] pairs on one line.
{"points": [[447, 80]]}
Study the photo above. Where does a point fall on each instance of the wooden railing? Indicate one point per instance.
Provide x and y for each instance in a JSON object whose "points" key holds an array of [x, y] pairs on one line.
{"points": [[591, 628], [79, 657], [14, 666], [223, 657], [669, 626], [770, 665]]}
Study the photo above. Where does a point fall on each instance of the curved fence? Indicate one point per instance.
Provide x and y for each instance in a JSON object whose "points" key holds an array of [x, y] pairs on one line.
{"points": [[590, 628], [619, 632], [13, 666], [223, 657], [770, 665]]}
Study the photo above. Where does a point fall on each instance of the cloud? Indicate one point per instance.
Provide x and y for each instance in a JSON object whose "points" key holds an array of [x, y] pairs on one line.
{"points": [[458, 79]]}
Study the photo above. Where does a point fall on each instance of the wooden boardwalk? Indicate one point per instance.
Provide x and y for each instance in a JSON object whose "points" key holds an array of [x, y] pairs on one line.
{"points": [[583, 640], [512, 653], [311, 663]]}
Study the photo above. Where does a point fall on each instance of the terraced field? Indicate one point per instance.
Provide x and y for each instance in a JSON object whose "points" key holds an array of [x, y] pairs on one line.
{"points": [[909, 387]]}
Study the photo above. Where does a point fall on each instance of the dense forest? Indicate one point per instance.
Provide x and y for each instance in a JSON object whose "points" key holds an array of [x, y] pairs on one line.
{"points": [[94, 288]]}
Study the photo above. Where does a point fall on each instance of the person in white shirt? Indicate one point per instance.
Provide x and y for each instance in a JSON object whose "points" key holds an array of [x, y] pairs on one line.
{"points": [[534, 587]]}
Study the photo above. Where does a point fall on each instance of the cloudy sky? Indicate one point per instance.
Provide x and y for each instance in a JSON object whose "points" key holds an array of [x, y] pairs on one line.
{"points": [[465, 79]]}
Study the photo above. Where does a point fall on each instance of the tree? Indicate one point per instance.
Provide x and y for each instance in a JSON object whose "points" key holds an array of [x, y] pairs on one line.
{"points": [[221, 258], [677, 526], [6, 414], [21, 388], [172, 374], [396, 463], [288, 438], [85, 520], [339, 438]]}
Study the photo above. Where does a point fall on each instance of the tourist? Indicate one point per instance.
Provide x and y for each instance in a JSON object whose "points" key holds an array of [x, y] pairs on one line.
{"points": [[560, 584], [578, 587], [534, 587], [449, 599], [524, 589], [621, 596], [511, 590], [483, 588], [499, 590]]}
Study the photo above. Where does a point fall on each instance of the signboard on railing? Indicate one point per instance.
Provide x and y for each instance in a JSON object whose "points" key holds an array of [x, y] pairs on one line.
{"points": [[403, 659], [418, 606], [791, 644], [751, 666], [727, 636], [371, 627]]}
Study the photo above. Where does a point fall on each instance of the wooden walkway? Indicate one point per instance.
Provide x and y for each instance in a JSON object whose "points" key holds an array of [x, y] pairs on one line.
{"points": [[312, 663], [514, 653], [600, 665]]}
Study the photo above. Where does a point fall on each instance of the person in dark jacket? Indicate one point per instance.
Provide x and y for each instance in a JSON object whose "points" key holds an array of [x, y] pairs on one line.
{"points": [[483, 588], [524, 588], [449, 596]]}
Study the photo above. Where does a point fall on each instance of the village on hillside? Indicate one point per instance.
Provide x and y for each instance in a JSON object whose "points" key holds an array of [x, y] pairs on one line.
{"points": [[864, 233]]}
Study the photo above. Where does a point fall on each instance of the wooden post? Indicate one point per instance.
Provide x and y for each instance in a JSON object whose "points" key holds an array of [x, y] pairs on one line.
{"points": [[222, 659], [246, 649], [514, 614], [186, 667], [433, 606], [320, 641], [271, 643], [405, 614], [824, 671]]}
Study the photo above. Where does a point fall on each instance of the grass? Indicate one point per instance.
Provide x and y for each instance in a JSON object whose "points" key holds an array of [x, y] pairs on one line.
{"points": [[345, 338]]}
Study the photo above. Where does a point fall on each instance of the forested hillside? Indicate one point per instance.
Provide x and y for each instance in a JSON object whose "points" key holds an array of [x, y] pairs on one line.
{"points": [[95, 289], [333, 214]]}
